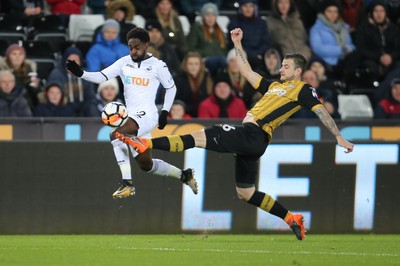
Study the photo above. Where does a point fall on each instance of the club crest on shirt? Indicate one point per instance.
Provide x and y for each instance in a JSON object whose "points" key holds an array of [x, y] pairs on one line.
{"points": [[290, 86], [149, 69]]}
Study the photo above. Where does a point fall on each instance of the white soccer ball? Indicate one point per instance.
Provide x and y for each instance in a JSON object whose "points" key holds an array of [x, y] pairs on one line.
{"points": [[114, 114]]}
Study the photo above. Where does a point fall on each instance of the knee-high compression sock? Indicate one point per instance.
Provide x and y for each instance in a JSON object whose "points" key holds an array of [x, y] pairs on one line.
{"points": [[122, 155], [173, 143], [268, 204], [165, 169]]}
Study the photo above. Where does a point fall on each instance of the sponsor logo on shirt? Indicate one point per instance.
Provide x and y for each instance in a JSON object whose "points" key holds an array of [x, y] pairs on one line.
{"points": [[137, 81], [279, 92]]}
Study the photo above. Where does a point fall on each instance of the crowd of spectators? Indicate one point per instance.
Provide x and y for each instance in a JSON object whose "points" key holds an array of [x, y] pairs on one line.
{"points": [[349, 44]]}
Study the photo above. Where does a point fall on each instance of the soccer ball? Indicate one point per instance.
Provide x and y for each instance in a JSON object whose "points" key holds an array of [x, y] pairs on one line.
{"points": [[114, 114]]}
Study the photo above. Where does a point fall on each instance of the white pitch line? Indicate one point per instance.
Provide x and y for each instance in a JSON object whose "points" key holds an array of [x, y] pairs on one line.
{"points": [[265, 251]]}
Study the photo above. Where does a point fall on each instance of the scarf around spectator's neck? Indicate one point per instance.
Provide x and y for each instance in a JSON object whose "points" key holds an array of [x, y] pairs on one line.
{"points": [[338, 28]]}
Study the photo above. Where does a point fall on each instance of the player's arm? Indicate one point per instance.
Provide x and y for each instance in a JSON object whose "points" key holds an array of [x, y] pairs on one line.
{"points": [[244, 67], [330, 124], [308, 98], [95, 77]]}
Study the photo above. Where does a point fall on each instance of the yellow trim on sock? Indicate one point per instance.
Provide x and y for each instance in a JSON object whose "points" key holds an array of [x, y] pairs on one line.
{"points": [[175, 143], [287, 217], [267, 203], [150, 143]]}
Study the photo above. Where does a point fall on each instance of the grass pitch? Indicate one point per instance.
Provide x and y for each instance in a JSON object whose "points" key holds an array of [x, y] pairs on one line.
{"points": [[214, 249]]}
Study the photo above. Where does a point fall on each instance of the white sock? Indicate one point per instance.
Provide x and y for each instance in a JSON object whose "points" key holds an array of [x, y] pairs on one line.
{"points": [[122, 155], [165, 169]]}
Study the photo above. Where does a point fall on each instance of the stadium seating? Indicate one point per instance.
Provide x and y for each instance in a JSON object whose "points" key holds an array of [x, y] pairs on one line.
{"points": [[139, 21], [185, 24], [41, 52], [49, 28], [82, 27], [355, 106]]}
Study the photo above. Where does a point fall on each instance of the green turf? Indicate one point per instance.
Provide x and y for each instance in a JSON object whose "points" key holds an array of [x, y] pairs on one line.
{"points": [[213, 249]]}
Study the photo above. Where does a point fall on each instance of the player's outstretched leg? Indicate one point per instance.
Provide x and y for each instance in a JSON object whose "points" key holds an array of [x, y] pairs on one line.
{"points": [[187, 177], [125, 190], [139, 144], [296, 223]]}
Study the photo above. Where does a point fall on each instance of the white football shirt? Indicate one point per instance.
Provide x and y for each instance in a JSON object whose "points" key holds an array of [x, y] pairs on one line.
{"points": [[141, 81]]}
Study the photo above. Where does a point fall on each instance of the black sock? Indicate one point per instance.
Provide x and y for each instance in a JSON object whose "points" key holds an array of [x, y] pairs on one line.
{"points": [[268, 204], [174, 143]]}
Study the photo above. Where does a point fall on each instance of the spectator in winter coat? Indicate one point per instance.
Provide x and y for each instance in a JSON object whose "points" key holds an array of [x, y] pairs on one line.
{"points": [[12, 100], [389, 107], [107, 49], [207, 38], [79, 93], [223, 103], [54, 105], [256, 39], [24, 71], [193, 83], [286, 29], [172, 26], [330, 37], [378, 41]]}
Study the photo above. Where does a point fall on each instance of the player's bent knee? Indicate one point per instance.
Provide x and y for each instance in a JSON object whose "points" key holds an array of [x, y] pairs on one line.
{"points": [[245, 193]]}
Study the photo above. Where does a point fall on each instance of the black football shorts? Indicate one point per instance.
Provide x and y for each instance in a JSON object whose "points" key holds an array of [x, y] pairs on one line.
{"points": [[247, 141]]}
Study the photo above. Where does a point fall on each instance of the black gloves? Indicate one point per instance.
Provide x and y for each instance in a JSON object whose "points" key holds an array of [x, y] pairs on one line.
{"points": [[74, 68], [162, 119]]}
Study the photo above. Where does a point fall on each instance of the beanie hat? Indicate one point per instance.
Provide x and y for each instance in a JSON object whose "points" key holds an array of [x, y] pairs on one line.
{"points": [[242, 2], [394, 82], [111, 23], [111, 82], [222, 77], [14, 47], [153, 24], [209, 8], [327, 3], [376, 3]]}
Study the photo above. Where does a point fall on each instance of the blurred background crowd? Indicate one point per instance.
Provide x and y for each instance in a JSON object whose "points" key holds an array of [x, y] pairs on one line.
{"points": [[352, 46]]}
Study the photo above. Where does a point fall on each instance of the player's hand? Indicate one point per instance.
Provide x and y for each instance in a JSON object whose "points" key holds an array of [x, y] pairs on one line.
{"points": [[236, 35], [345, 144], [75, 69], [162, 119]]}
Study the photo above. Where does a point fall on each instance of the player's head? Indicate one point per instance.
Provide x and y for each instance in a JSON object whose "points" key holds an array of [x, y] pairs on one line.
{"points": [[293, 66], [138, 42]]}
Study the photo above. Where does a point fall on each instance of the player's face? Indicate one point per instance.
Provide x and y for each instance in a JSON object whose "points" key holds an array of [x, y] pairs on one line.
{"points": [[137, 49], [288, 70]]}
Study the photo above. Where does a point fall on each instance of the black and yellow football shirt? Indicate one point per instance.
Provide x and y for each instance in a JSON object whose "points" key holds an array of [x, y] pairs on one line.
{"points": [[280, 101]]}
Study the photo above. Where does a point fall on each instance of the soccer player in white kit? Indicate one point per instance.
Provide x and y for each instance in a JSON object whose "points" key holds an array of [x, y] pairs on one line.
{"points": [[141, 74]]}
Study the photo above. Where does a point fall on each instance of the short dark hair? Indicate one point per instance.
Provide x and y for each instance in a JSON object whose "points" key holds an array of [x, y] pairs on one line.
{"points": [[299, 60], [138, 33]]}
